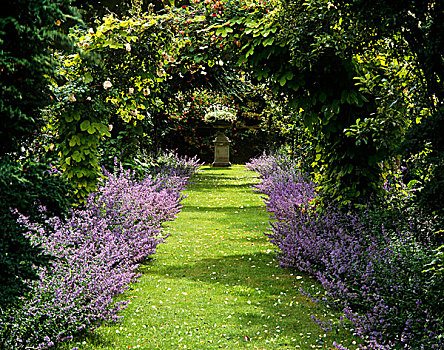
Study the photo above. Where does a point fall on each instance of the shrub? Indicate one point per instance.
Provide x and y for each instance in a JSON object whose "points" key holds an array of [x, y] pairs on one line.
{"points": [[95, 253], [374, 273], [263, 164], [167, 166]]}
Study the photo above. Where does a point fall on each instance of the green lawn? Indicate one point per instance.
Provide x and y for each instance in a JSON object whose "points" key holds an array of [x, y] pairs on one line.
{"points": [[216, 284]]}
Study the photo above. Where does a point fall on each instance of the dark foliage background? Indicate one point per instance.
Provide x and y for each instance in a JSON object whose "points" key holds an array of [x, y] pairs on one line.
{"points": [[28, 32]]}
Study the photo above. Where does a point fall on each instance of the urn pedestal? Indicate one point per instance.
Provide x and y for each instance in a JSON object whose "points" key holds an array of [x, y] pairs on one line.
{"points": [[221, 151]]}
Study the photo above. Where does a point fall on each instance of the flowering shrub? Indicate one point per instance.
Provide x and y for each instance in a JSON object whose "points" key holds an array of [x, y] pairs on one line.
{"points": [[373, 273], [96, 254], [169, 168], [171, 164], [265, 163]]}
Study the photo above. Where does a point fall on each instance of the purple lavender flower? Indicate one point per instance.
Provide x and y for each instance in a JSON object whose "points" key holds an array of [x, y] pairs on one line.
{"points": [[372, 273], [96, 255]]}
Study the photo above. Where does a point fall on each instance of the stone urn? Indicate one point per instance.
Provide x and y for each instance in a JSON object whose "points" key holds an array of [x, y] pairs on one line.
{"points": [[221, 125], [221, 120], [221, 150]]}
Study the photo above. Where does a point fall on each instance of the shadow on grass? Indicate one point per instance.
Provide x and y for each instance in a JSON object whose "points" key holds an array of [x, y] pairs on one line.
{"points": [[229, 218], [258, 270], [264, 289], [206, 183], [250, 210], [210, 168], [221, 187]]}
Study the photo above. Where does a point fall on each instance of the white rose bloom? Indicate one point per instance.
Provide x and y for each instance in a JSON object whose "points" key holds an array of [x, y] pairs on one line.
{"points": [[107, 85]]}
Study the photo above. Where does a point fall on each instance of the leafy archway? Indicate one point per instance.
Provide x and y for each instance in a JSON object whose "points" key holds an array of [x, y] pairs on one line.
{"points": [[132, 71], [347, 86]]}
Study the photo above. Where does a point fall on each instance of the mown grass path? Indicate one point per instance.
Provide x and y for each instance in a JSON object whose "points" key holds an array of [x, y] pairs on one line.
{"points": [[216, 283]]}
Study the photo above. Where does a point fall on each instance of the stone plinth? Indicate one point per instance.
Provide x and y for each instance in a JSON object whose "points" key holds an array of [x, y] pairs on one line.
{"points": [[221, 151]]}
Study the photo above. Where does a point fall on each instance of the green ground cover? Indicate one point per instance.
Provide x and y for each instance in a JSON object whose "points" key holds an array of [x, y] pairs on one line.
{"points": [[216, 284]]}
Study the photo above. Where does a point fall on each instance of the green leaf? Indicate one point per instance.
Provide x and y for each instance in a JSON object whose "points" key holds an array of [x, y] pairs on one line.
{"points": [[88, 77], [80, 173], [268, 41], [287, 76], [250, 52], [85, 125], [76, 156], [412, 184], [91, 130], [336, 108], [224, 31], [352, 98], [73, 141], [99, 127]]}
